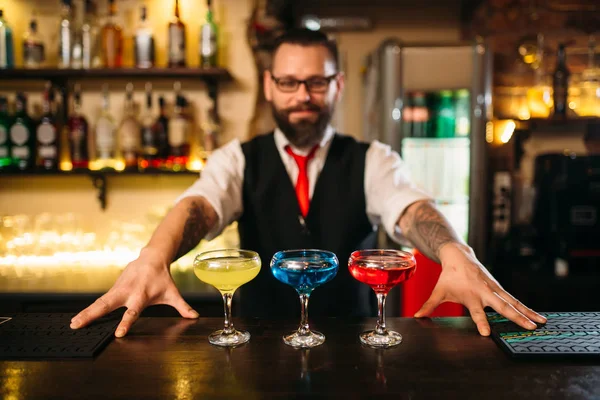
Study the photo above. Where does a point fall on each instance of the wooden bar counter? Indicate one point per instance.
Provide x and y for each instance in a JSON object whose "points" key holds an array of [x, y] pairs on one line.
{"points": [[170, 358]]}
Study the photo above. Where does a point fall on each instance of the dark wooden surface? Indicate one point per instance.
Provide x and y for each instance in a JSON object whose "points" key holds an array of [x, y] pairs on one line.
{"points": [[170, 358]]}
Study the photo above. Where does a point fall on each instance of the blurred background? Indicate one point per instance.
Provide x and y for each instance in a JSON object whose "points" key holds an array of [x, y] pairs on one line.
{"points": [[110, 108]]}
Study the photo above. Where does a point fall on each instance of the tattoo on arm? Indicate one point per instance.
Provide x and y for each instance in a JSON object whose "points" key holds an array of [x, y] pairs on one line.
{"points": [[200, 219], [427, 229]]}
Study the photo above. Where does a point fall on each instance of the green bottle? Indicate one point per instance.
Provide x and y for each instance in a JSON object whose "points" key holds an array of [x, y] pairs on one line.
{"points": [[445, 117], [5, 159], [462, 108], [208, 40], [22, 136]]}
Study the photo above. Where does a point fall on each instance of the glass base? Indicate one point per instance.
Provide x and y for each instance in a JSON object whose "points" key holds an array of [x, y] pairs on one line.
{"points": [[306, 341], [220, 338], [373, 339]]}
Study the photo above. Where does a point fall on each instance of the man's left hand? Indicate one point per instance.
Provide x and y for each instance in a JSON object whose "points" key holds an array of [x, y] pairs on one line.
{"points": [[464, 280]]}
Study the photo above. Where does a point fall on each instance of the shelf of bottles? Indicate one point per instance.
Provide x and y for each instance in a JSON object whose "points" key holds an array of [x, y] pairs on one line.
{"points": [[92, 50], [63, 141], [50, 144], [550, 96]]}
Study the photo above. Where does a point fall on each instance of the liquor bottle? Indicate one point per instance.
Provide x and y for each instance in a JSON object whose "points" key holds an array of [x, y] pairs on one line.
{"points": [[105, 137], [81, 51], [7, 52], [407, 116], [179, 133], [208, 40], [5, 159], [161, 126], [65, 35], [144, 42], [560, 83], [149, 153], [89, 36], [78, 134], [445, 120], [129, 131], [176, 40], [21, 136], [33, 47], [46, 133], [420, 116], [462, 108], [92, 37], [112, 40]]}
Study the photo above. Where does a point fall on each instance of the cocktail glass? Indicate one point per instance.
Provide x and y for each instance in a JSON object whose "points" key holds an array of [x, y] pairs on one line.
{"points": [[227, 270], [382, 270], [304, 270]]}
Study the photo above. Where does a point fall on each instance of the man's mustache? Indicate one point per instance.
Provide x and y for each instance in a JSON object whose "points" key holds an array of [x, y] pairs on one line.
{"points": [[304, 107]]}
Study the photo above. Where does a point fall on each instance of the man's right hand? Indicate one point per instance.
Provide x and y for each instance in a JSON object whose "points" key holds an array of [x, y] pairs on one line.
{"points": [[145, 281]]}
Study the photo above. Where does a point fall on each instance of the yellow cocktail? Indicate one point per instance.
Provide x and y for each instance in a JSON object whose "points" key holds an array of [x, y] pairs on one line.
{"points": [[226, 273], [227, 270]]}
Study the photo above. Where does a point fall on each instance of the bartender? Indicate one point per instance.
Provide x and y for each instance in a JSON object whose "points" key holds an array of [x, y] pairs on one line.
{"points": [[305, 186]]}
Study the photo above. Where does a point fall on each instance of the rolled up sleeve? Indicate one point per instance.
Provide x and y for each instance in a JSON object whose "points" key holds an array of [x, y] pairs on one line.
{"points": [[220, 183]]}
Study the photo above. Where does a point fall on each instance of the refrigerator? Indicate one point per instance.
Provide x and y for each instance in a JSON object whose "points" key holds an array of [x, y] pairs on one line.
{"points": [[450, 167]]}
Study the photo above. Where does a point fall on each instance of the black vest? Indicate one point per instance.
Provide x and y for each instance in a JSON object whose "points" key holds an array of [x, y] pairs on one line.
{"points": [[336, 221]]}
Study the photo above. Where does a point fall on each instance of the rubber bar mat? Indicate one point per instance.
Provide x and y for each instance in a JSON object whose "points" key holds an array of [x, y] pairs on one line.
{"points": [[48, 336], [565, 334]]}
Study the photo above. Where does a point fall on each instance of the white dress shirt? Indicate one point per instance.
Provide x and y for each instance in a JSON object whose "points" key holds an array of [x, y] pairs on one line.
{"points": [[388, 189]]}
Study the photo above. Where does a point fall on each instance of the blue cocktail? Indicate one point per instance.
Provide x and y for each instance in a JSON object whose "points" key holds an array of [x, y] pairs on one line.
{"points": [[304, 270]]}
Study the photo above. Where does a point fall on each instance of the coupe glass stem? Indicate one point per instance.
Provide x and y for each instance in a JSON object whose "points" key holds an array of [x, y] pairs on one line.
{"points": [[304, 329], [228, 329], [380, 327]]}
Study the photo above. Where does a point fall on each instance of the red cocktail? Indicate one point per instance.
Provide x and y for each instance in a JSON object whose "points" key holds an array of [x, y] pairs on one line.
{"points": [[382, 270]]}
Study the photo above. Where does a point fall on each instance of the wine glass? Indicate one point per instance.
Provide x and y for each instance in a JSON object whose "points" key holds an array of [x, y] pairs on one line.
{"points": [[304, 270], [382, 270], [227, 270]]}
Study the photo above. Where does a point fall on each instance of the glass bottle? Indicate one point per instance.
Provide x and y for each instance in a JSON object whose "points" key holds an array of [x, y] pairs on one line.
{"points": [[445, 118], [129, 131], [78, 133], [33, 47], [420, 115], [105, 137], [149, 154], [7, 52], [179, 133], [462, 107], [161, 126], [144, 42], [5, 159], [208, 40], [65, 35], [22, 136], [176, 50], [112, 39], [46, 134]]}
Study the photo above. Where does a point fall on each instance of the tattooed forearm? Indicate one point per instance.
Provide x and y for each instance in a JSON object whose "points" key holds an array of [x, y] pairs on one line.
{"points": [[200, 219], [427, 229]]}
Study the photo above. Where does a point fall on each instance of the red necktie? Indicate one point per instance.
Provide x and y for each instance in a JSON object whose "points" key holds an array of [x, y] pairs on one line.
{"points": [[302, 181]]}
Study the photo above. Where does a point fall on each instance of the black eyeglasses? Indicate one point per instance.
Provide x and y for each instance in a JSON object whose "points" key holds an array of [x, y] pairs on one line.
{"points": [[316, 84]]}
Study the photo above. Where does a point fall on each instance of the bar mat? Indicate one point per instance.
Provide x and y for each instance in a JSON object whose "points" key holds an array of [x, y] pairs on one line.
{"points": [[48, 336], [565, 334]]}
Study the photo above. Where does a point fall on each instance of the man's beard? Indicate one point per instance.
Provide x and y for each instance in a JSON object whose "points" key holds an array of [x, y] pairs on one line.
{"points": [[303, 134]]}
